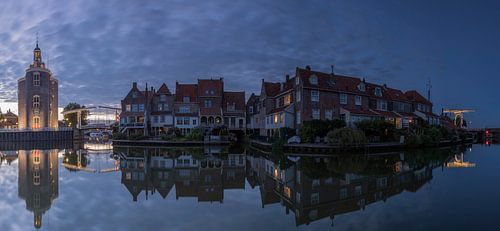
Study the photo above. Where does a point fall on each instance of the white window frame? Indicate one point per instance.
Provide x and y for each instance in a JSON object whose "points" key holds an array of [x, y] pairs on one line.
{"points": [[314, 96], [358, 100], [36, 101], [313, 80], [36, 79], [316, 113], [343, 98], [378, 91]]}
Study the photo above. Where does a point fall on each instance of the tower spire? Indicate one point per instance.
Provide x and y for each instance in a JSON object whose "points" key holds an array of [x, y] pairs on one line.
{"points": [[37, 39]]}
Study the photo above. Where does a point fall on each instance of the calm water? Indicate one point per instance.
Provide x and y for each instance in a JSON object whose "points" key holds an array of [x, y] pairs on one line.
{"points": [[101, 188]]}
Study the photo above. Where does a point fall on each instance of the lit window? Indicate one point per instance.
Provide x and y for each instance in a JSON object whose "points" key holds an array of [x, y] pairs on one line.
{"points": [[358, 100], [343, 99], [281, 118], [316, 114], [275, 118], [36, 157], [288, 99], [36, 122], [36, 79], [36, 101], [315, 96]]}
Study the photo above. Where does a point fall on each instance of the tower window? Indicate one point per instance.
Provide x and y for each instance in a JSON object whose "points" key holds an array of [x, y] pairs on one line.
{"points": [[36, 101], [36, 79], [36, 122]]}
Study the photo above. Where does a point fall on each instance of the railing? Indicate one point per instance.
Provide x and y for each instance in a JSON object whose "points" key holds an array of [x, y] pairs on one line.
{"points": [[36, 130], [132, 125]]}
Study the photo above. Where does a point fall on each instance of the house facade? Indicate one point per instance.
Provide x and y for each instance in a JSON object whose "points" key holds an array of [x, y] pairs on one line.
{"points": [[186, 108], [314, 95]]}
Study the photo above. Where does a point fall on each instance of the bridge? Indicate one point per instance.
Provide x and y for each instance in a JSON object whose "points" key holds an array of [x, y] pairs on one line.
{"points": [[486, 135], [99, 153], [100, 117], [458, 116]]}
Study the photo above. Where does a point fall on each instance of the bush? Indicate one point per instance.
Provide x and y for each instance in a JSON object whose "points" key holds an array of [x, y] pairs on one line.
{"points": [[382, 129], [119, 136], [195, 135], [311, 129], [413, 140], [432, 136], [137, 136], [346, 137]]}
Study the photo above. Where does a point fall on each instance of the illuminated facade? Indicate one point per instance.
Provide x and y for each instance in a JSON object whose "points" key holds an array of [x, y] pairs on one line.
{"points": [[38, 96]]}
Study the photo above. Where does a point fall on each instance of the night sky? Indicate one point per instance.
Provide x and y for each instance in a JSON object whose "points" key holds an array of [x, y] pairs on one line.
{"points": [[98, 48]]}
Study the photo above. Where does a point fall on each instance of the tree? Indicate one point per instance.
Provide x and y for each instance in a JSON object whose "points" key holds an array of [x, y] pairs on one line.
{"points": [[72, 119]]}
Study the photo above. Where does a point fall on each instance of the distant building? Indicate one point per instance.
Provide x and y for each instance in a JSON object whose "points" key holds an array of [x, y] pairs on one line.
{"points": [[38, 96], [8, 120]]}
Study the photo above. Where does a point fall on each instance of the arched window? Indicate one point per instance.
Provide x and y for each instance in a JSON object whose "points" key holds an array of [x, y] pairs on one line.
{"points": [[36, 79], [36, 101], [36, 122]]}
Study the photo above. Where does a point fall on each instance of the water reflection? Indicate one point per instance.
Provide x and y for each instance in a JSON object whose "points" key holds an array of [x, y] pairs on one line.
{"points": [[311, 188], [38, 181]]}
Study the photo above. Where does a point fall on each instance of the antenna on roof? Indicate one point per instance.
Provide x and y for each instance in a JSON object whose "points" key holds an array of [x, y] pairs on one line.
{"points": [[429, 87]]}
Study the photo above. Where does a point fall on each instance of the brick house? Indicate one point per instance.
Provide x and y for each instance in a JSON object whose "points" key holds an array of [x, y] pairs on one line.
{"points": [[134, 116], [162, 105], [210, 94], [233, 108], [422, 107], [186, 108], [252, 113]]}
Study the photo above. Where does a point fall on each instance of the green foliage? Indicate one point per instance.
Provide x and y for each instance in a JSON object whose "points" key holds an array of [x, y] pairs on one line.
{"points": [[430, 136], [381, 129], [346, 137], [195, 135], [311, 129], [119, 136], [137, 136], [72, 119]]}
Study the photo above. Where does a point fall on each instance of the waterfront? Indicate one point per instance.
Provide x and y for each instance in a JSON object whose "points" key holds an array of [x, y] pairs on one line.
{"points": [[100, 188]]}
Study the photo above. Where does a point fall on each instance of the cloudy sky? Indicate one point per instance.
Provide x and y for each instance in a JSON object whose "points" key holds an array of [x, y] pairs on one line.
{"points": [[98, 48]]}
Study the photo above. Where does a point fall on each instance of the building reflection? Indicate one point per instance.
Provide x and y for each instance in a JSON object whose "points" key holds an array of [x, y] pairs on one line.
{"points": [[38, 181], [203, 174], [318, 188]]}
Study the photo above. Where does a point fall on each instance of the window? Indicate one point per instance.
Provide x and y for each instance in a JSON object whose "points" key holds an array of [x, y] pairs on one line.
{"points": [[314, 198], [315, 182], [382, 105], [36, 157], [185, 99], [231, 107], [208, 103], [343, 193], [163, 98], [297, 197], [358, 100], [134, 94], [313, 80], [343, 99], [194, 122], [179, 121], [329, 114], [162, 119], [135, 107], [155, 119], [36, 177], [184, 109], [362, 87], [298, 117], [36, 122], [250, 109], [316, 114], [288, 99], [298, 96], [36, 101], [128, 107], [378, 91], [315, 96], [36, 79], [275, 118], [282, 118], [186, 121], [141, 107], [358, 190]]}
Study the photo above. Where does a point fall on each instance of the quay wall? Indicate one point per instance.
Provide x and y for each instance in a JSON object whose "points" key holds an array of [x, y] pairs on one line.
{"points": [[36, 135]]}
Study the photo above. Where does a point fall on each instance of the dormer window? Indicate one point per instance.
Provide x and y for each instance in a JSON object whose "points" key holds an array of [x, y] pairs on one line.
{"points": [[378, 91], [36, 79], [362, 87], [134, 94], [313, 80]]}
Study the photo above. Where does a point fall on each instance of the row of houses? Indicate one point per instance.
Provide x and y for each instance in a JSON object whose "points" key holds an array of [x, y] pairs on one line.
{"points": [[311, 95], [203, 104]]}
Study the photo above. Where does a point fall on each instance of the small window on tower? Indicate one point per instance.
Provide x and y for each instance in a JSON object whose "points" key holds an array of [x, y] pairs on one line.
{"points": [[36, 101], [36, 79]]}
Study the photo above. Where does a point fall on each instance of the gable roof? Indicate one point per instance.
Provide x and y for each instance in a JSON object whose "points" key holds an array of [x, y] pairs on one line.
{"points": [[164, 90], [189, 90], [330, 81], [238, 98], [414, 96], [271, 89], [210, 87]]}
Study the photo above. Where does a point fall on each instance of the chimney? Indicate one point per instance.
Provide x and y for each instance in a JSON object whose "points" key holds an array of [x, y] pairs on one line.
{"points": [[364, 80], [152, 90], [134, 84], [308, 67], [332, 70], [385, 86], [287, 77]]}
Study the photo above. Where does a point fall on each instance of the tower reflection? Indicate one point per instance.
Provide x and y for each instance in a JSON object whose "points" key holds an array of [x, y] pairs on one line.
{"points": [[38, 182]]}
